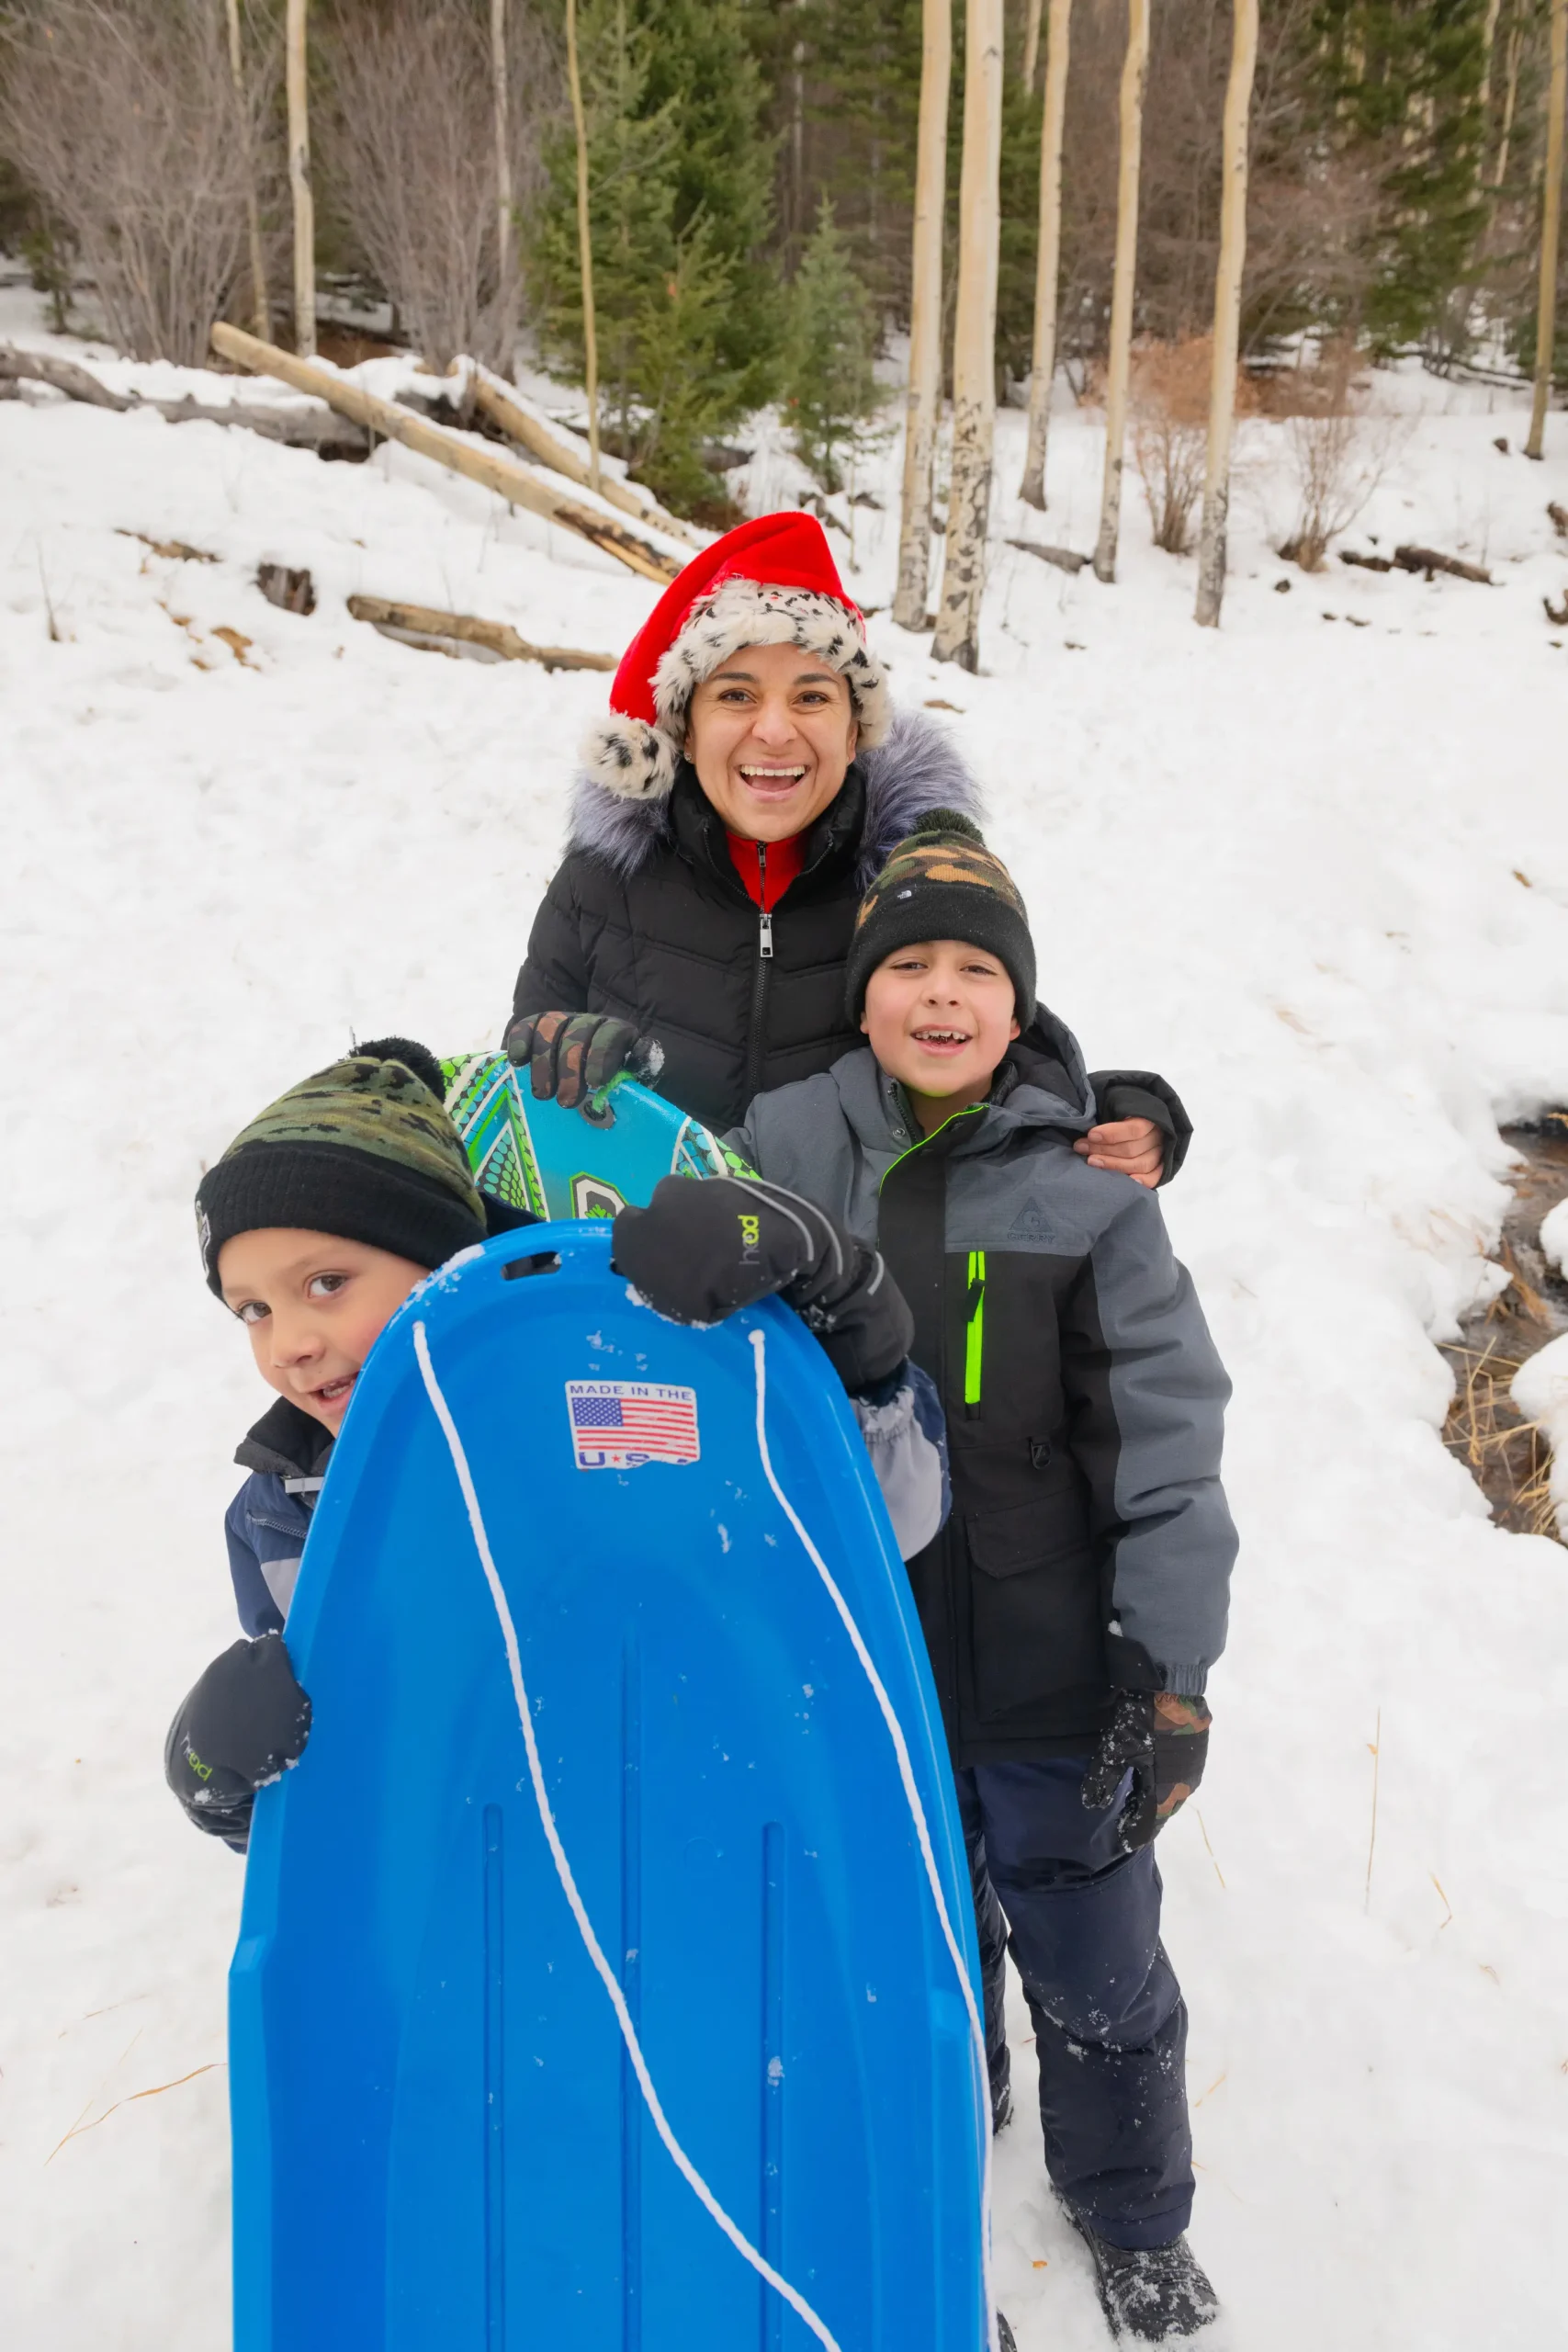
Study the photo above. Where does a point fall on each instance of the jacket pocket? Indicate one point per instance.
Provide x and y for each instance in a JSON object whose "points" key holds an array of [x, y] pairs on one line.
{"points": [[1035, 1606]]}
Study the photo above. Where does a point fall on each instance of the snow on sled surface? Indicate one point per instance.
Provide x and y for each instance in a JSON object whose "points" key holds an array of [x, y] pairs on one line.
{"points": [[439, 2137], [576, 1163]]}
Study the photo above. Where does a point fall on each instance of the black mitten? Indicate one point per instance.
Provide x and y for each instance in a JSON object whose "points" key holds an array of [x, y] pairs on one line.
{"points": [[1162, 1739], [242, 1725], [571, 1056], [702, 1248], [1144, 1094]]}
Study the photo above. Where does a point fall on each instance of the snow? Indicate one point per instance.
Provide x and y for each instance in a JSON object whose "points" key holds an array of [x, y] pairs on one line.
{"points": [[1554, 1237], [1316, 873], [1540, 1389]]}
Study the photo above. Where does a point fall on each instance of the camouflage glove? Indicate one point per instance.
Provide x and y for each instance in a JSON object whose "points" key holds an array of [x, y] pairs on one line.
{"points": [[1163, 1740], [571, 1056]]}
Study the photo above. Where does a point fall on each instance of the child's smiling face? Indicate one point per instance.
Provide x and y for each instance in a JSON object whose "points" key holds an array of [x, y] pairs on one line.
{"points": [[314, 1306], [939, 1017]]}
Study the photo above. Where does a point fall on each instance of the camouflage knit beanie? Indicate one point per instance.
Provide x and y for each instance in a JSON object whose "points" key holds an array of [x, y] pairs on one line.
{"points": [[941, 882], [364, 1150]]}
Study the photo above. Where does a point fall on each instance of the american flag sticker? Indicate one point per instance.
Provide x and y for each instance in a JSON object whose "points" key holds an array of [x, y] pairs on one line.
{"points": [[621, 1424]]}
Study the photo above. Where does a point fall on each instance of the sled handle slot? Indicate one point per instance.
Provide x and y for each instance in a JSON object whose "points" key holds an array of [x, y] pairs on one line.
{"points": [[542, 1262]]}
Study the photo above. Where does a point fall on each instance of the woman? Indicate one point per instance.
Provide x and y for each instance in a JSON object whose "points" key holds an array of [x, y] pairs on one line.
{"points": [[747, 786]]}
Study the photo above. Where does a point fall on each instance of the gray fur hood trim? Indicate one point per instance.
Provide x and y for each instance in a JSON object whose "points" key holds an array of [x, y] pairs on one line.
{"points": [[918, 767]]}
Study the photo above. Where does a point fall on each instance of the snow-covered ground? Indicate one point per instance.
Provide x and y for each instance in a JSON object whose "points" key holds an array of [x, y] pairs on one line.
{"points": [[1316, 873]]}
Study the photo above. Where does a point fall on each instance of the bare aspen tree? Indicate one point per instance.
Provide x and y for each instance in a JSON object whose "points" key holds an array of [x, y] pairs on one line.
{"points": [[505, 222], [584, 244], [1032, 42], [299, 183], [1048, 261], [1551, 224], [925, 314], [1511, 99], [260, 309], [1227, 315], [1118, 370], [974, 338]]}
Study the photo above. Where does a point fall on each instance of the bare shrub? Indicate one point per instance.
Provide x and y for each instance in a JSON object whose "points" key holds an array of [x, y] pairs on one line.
{"points": [[125, 119], [407, 153], [1340, 448], [1170, 430]]}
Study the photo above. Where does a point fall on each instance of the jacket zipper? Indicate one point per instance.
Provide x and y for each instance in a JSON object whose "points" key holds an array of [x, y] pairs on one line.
{"points": [[757, 1051]]}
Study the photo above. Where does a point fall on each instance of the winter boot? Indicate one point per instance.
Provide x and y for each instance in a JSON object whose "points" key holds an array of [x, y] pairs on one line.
{"points": [[1150, 2294]]}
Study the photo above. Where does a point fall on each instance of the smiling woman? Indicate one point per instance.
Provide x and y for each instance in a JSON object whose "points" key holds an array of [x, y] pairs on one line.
{"points": [[747, 783]]}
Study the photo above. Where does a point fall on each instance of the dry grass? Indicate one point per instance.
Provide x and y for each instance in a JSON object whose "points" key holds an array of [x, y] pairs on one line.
{"points": [[1508, 1456], [1170, 430]]}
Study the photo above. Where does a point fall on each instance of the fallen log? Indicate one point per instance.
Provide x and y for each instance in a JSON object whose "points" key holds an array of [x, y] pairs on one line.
{"points": [[298, 428], [1065, 558], [497, 637], [504, 476], [502, 407], [1366, 563], [1428, 560]]}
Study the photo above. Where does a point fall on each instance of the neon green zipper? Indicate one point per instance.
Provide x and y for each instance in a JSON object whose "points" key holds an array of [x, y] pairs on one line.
{"points": [[974, 1331]]}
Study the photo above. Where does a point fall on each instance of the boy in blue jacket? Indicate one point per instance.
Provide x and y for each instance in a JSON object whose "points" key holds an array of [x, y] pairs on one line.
{"points": [[315, 1225]]}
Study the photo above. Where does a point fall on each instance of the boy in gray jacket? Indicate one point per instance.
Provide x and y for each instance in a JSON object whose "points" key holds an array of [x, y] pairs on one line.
{"points": [[1075, 1599]]}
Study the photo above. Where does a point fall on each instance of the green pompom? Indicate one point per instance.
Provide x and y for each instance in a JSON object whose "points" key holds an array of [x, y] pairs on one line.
{"points": [[950, 820]]}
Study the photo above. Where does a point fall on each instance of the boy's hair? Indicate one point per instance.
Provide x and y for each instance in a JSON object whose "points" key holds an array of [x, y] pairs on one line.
{"points": [[942, 883], [362, 1149]]}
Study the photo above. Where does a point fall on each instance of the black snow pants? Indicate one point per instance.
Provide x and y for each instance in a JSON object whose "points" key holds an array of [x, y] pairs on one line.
{"points": [[1082, 1922]]}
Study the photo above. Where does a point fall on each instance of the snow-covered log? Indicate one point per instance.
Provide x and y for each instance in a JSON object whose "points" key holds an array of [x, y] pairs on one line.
{"points": [[517, 484], [421, 621], [519, 424], [298, 428]]}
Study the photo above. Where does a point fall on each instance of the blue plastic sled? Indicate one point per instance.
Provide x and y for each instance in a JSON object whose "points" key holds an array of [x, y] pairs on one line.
{"points": [[441, 2143]]}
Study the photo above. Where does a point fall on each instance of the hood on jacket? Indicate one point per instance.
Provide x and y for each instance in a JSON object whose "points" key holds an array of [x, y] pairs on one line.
{"points": [[1040, 1084], [286, 1443], [919, 767]]}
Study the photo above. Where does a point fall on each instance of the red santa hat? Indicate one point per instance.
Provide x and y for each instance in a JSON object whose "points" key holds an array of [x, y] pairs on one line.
{"points": [[772, 581]]}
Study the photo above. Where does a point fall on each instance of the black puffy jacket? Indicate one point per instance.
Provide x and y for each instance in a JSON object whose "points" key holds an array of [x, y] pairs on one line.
{"points": [[646, 919]]}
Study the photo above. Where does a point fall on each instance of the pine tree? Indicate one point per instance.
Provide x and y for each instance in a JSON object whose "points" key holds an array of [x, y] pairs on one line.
{"points": [[687, 333], [1403, 81], [830, 388]]}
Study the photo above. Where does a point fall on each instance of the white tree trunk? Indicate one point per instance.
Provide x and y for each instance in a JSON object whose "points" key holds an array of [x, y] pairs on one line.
{"points": [[1551, 224], [975, 340], [925, 315], [505, 221], [260, 309], [299, 184], [1227, 315], [584, 244], [1048, 266], [1032, 42], [1118, 369]]}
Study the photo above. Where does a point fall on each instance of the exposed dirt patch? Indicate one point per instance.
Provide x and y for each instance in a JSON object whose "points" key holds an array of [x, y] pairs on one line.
{"points": [[1505, 1454]]}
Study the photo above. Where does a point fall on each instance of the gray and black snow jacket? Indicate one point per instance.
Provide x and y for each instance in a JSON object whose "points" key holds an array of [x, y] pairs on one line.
{"points": [[646, 919], [1089, 1547]]}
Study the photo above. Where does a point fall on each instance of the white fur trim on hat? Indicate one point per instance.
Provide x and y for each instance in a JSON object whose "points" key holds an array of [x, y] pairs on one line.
{"points": [[638, 761], [630, 757]]}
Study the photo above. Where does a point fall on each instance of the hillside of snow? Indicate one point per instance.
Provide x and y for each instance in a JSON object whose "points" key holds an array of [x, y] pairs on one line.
{"points": [[1316, 872]]}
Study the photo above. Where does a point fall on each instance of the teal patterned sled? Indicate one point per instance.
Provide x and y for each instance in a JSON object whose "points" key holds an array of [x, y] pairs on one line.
{"points": [[572, 1163]]}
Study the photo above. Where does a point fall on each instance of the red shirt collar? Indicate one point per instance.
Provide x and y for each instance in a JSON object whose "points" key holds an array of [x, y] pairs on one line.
{"points": [[785, 862]]}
